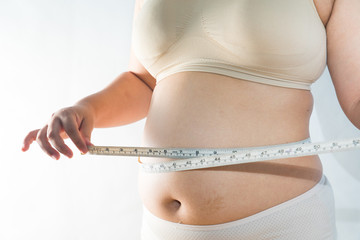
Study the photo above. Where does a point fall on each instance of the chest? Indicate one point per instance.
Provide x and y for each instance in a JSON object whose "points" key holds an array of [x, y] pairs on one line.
{"points": [[276, 26]]}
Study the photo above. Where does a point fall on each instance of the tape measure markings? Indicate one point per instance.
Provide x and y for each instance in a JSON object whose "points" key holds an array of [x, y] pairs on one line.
{"points": [[196, 158]]}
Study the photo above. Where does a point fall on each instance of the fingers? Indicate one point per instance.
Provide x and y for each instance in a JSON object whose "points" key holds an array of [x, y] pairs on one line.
{"points": [[44, 144], [53, 135], [73, 122], [71, 128], [40, 136], [86, 128], [29, 139]]}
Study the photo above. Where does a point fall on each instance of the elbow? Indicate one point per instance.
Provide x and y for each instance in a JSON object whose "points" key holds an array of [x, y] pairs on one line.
{"points": [[146, 79]]}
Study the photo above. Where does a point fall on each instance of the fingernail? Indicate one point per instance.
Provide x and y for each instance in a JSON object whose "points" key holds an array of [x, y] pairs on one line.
{"points": [[54, 157], [23, 148]]}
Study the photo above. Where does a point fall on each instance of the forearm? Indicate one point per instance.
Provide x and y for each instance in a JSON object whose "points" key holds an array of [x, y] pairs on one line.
{"points": [[125, 100]]}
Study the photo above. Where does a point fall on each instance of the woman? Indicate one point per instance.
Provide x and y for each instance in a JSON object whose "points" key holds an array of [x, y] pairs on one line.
{"points": [[226, 74]]}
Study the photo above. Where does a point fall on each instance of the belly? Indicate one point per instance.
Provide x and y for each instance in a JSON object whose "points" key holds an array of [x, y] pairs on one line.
{"points": [[206, 110]]}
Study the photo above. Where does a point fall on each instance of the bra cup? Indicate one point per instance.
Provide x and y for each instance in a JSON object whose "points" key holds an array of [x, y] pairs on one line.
{"points": [[277, 42], [158, 26], [257, 30]]}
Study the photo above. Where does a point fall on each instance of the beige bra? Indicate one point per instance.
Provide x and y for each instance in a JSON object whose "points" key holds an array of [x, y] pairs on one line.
{"points": [[275, 42]]}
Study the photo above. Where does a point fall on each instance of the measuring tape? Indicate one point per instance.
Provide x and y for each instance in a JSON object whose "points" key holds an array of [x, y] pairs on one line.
{"points": [[197, 158]]}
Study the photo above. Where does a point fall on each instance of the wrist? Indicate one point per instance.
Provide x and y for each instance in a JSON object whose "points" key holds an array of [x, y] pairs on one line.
{"points": [[88, 108]]}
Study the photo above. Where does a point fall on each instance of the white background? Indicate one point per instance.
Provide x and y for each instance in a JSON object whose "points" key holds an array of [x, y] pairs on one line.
{"points": [[51, 54]]}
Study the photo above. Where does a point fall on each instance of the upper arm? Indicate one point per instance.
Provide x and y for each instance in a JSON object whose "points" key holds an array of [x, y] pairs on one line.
{"points": [[135, 66], [343, 43]]}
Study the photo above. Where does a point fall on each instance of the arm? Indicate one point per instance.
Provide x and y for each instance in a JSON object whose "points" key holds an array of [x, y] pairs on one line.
{"points": [[343, 37], [125, 100]]}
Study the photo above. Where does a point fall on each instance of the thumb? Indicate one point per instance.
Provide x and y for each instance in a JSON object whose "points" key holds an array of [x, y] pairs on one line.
{"points": [[88, 142], [86, 129]]}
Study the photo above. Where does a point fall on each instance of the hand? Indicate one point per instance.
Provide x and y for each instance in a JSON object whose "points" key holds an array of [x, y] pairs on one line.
{"points": [[75, 122]]}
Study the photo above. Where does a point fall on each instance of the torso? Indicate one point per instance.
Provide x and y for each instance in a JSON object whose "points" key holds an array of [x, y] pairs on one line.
{"points": [[195, 109]]}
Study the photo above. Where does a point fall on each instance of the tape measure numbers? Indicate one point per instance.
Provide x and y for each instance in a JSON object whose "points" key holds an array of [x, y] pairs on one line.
{"points": [[196, 158]]}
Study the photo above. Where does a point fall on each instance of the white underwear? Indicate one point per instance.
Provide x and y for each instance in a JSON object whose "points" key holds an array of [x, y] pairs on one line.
{"points": [[309, 216]]}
